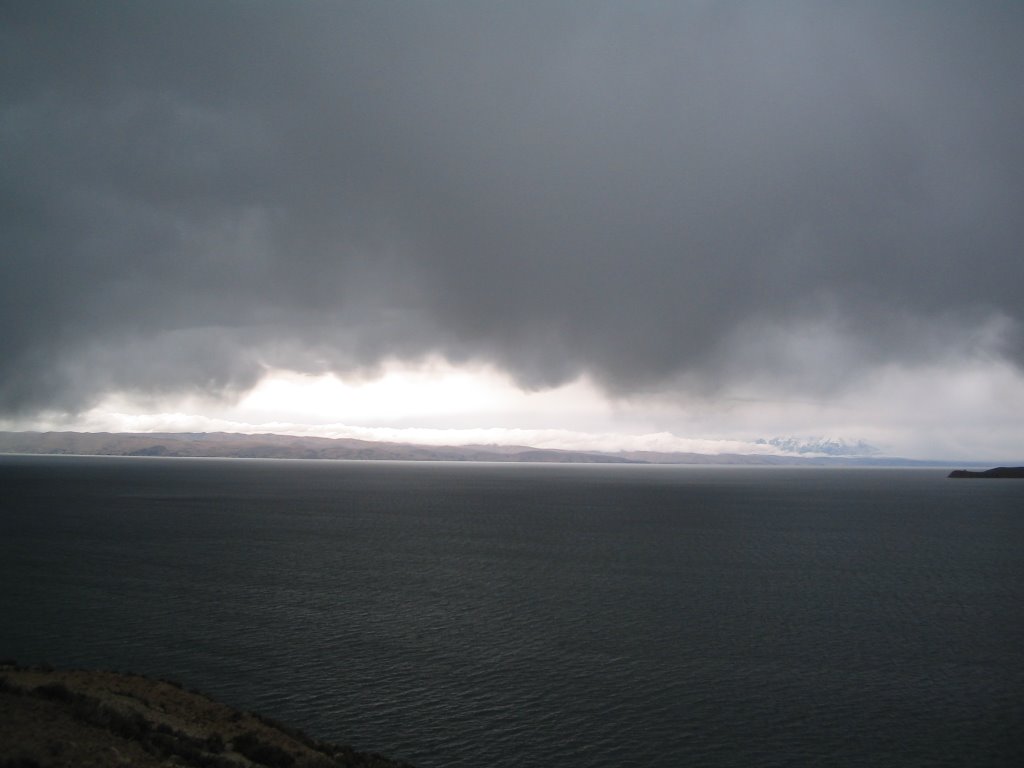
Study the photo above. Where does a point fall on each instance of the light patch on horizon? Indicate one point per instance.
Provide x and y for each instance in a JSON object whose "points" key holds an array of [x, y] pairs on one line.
{"points": [[436, 403], [959, 408], [428, 394]]}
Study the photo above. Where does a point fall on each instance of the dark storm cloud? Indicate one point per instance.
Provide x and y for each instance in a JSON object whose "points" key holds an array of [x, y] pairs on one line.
{"points": [[193, 191]]}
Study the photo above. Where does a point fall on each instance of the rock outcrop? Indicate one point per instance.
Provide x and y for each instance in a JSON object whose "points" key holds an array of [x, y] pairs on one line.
{"points": [[97, 718]]}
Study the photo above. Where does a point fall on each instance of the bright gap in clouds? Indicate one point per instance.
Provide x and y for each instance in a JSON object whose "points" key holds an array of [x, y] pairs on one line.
{"points": [[954, 411], [431, 395], [434, 403]]}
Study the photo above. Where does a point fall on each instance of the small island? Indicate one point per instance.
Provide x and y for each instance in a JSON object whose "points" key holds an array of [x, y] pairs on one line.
{"points": [[996, 472]]}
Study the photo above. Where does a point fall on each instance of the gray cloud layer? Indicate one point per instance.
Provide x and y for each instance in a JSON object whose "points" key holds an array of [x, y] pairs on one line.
{"points": [[647, 192]]}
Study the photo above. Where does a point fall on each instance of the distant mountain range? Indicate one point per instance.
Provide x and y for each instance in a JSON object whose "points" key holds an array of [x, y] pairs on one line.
{"points": [[273, 446]]}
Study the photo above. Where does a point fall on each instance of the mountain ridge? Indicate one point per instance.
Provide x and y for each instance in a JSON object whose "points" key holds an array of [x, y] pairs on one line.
{"points": [[279, 446]]}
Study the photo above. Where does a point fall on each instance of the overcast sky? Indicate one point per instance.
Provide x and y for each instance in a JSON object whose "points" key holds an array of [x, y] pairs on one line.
{"points": [[718, 220]]}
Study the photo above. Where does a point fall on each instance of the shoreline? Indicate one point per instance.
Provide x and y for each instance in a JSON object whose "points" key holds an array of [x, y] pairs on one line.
{"points": [[70, 717]]}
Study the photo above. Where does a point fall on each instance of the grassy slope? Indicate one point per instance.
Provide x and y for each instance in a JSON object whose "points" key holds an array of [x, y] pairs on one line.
{"points": [[79, 718]]}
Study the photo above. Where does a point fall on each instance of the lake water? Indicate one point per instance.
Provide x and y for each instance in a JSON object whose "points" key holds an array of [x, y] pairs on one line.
{"points": [[526, 615]]}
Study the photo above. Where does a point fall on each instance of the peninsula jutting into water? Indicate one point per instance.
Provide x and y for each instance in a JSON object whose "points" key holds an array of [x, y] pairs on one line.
{"points": [[995, 472]]}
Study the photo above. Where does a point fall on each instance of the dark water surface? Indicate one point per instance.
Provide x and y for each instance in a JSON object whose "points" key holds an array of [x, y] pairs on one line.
{"points": [[522, 615]]}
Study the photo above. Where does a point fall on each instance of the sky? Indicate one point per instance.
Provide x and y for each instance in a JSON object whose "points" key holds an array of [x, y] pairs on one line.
{"points": [[646, 225]]}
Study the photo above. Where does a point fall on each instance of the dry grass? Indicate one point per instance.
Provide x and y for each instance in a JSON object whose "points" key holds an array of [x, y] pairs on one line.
{"points": [[98, 718]]}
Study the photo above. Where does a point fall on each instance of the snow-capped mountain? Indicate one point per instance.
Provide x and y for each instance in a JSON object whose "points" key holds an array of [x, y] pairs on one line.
{"points": [[825, 446]]}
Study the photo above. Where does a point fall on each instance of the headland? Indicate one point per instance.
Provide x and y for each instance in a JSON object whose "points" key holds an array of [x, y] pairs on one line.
{"points": [[51, 717]]}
